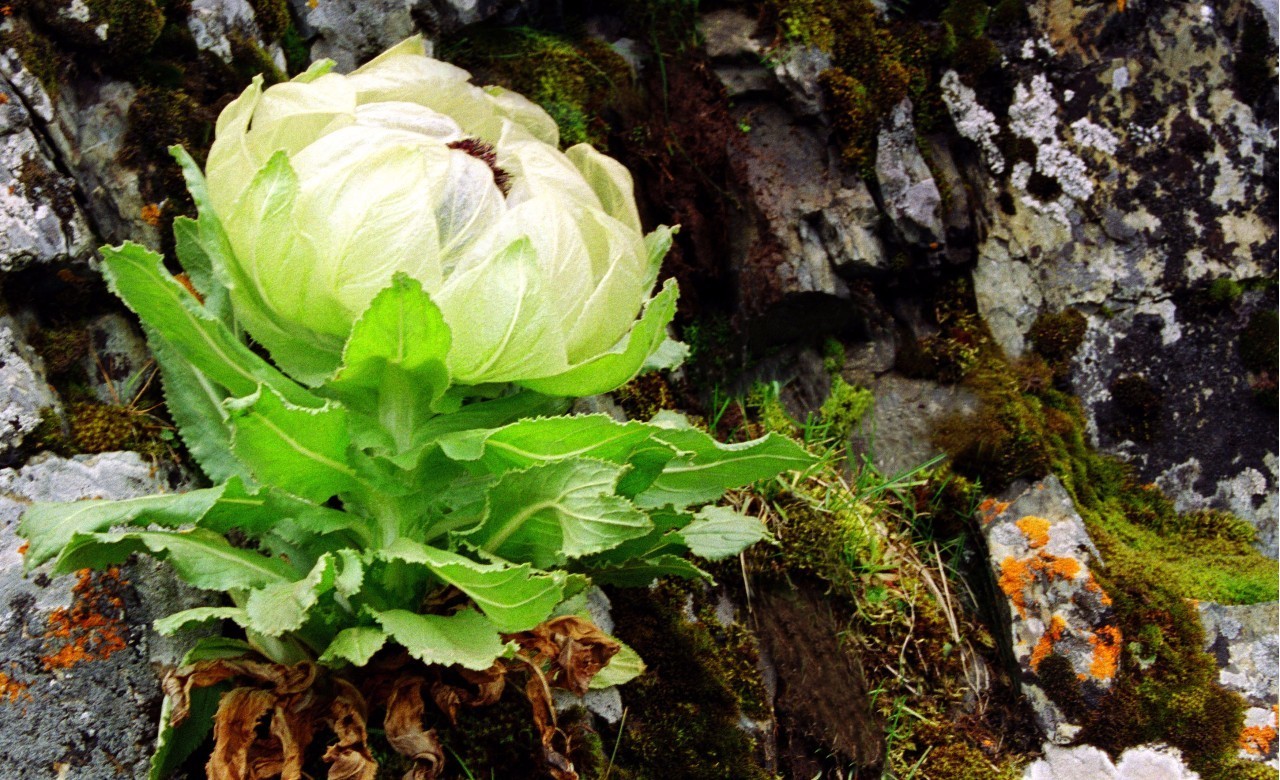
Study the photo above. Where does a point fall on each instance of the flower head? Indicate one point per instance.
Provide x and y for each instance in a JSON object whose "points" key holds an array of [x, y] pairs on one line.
{"points": [[330, 185]]}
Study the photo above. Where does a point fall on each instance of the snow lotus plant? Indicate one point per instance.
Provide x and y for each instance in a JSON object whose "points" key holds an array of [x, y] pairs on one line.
{"points": [[431, 277]]}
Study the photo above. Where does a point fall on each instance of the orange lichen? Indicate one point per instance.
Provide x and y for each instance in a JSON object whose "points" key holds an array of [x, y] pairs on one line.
{"points": [[1066, 568], [990, 509], [92, 628], [1015, 576], [1107, 643], [1257, 740], [12, 690], [1092, 585], [3, 98], [151, 214], [1050, 637], [1036, 529], [22, 548]]}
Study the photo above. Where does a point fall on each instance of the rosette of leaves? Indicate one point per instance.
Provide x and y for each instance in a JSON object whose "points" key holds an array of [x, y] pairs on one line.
{"points": [[385, 506]]}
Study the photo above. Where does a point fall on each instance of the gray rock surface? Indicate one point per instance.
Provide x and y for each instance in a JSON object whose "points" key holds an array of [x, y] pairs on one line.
{"points": [[1149, 762], [40, 220], [214, 24], [909, 193], [1139, 178], [1245, 640], [24, 393], [897, 433], [118, 364], [1040, 555], [79, 692]]}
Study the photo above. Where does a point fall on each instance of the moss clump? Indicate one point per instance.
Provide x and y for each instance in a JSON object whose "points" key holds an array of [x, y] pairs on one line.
{"points": [[1137, 408], [683, 714], [833, 356], [1224, 291], [273, 18], [38, 54], [132, 25], [845, 408], [102, 427], [572, 79], [1057, 336], [954, 758], [645, 396], [61, 348]]}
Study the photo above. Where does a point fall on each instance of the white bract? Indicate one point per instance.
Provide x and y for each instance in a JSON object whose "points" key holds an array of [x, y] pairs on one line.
{"points": [[330, 185]]}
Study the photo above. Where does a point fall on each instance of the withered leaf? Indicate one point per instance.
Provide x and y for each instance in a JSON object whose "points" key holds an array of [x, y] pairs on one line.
{"points": [[349, 757], [234, 732], [405, 732]]}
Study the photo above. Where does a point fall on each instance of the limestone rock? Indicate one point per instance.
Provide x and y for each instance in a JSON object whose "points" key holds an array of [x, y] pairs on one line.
{"points": [[1245, 640], [897, 433], [1040, 555], [24, 393], [729, 39], [79, 691], [1149, 762], [349, 32], [40, 221], [810, 221], [118, 364], [910, 195], [215, 23]]}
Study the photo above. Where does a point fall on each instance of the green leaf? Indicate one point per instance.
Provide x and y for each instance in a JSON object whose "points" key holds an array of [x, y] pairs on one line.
{"points": [[303, 451], [556, 511], [719, 532], [354, 645], [529, 442], [624, 667], [642, 573], [175, 744], [351, 576], [204, 560], [189, 617], [515, 598], [466, 638], [275, 609], [195, 252], [615, 368], [266, 511], [48, 528], [212, 648], [195, 402], [137, 275], [710, 467], [393, 366]]}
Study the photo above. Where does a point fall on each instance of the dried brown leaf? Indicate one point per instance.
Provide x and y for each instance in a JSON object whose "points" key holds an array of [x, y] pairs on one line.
{"points": [[573, 647], [234, 732], [349, 757], [405, 732]]}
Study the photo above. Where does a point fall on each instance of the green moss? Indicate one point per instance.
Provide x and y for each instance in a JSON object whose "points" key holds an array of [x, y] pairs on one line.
{"points": [[1058, 335], [645, 396], [102, 427], [132, 25], [572, 79], [682, 717], [736, 658], [159, 118], [273, 18], [297, 55], [61, 348], [248, 59], [845, 408], [833, 356], [1224, 291], [38, 55], [954, 758]]}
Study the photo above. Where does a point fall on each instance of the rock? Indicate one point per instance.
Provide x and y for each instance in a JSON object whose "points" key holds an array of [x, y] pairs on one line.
{"points": [[40, 221], [215, 23], [1245, 640], [350, 32], [118, 364], [797, 69], [809, 221], [897, 433], [24, 393], [85, 129], [1040, 555], [1155, 762], [79, 690], [910, 195], [728, 37]]}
